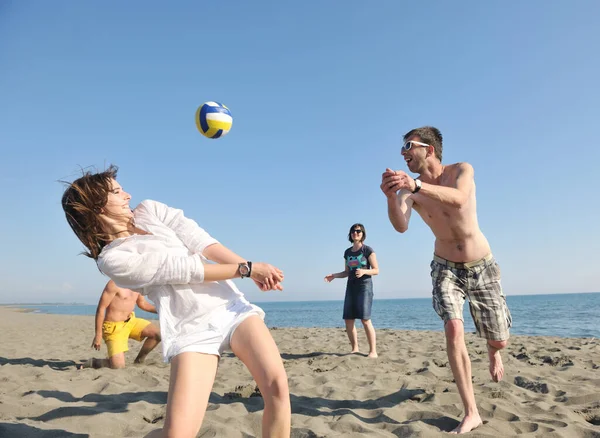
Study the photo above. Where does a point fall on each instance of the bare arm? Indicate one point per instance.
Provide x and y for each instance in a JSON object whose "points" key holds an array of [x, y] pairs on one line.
{"points": [[109, 292], [145, 305], [394, 185], [399, 210], [132, 270], [221, 254], [343, 274], [267, 280], [266, 277], [457, 195], [199, 240], [374, 270], [374, 265]]}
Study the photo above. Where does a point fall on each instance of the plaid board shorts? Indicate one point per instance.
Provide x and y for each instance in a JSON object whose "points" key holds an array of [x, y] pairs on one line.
{"points": [[479, 281]]}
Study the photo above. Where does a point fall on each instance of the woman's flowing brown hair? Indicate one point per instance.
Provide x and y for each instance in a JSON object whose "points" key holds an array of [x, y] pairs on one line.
{"points": [[82, 203]]}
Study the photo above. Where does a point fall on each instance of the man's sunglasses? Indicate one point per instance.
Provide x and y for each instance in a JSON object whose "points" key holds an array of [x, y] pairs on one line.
{"points": [[409, 144], [357, 231]]}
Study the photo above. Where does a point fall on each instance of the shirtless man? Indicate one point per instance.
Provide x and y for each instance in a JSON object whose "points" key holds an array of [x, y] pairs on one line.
{"points": [[463, 265], [116, 323]]}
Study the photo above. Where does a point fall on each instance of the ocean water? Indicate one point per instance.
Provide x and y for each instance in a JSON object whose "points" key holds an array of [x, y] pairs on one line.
{"points": [[564, 315]]}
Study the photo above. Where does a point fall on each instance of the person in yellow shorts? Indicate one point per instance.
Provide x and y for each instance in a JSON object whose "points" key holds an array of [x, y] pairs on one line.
{"points": [[116, 323]]}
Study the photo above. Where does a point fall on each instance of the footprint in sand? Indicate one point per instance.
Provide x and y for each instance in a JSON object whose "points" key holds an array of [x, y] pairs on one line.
{"points": [[561, 361], [153, 419], [591, 415], [531, 386], [440, 363]]}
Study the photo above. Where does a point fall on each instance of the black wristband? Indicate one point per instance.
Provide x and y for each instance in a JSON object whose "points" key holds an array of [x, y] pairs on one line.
{"points": [[417, 185], [246, 271]]}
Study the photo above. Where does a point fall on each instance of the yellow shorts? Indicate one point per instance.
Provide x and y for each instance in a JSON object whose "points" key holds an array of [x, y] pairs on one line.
{"points": [[116, 334]]}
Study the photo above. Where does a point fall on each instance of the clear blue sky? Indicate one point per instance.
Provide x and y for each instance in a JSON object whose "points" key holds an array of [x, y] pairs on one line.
{"points": [[321, 94]]}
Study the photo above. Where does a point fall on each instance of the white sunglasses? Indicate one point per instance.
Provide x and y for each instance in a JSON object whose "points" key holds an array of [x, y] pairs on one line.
{"points": [[409, 144]]}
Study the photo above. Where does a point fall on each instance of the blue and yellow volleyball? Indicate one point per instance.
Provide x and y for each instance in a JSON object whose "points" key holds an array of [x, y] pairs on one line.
{"points": [[213, 119]]}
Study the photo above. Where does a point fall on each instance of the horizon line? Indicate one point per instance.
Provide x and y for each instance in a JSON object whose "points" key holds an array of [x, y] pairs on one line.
{"points": [[298, 301]]}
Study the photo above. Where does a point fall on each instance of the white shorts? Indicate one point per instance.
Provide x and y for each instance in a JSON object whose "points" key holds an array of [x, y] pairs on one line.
{"points": [[216, 337]]}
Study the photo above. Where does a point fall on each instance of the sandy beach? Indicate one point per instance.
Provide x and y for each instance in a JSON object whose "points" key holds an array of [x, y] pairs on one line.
{"points": [[551, 387]]}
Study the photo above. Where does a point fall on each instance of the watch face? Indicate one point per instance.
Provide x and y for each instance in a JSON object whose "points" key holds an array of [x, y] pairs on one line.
{"points": [[244, 269]]}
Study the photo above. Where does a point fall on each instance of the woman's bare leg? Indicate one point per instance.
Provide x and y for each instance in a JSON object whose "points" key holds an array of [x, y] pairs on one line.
{"points": [[253, 344], [352, 335], [192, 378]]}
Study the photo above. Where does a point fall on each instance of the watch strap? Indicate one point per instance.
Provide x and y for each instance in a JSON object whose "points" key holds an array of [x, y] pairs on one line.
{"points": [[248, 266], [417, 185]]}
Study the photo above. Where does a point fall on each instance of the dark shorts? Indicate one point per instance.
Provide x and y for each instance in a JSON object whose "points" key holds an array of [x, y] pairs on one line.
{"points": [[479, 281], [358, 301]]}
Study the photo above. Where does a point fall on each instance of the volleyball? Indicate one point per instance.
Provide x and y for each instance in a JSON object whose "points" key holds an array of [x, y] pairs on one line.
{"points": [[213, 119]]}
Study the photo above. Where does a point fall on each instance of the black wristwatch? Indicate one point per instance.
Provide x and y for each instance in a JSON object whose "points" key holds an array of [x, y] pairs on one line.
{"points": [[245, 269], [417, 185]]}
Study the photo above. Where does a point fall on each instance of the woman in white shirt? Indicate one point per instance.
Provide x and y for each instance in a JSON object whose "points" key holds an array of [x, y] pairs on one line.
{"points": [[157, 251]]}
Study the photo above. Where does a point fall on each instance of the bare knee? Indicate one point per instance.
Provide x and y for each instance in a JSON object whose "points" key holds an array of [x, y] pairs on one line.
{"points": [[276, 388], [156, 333], [498, 345], [151, 332], [455, 331], [117, 361], [366, 322]]}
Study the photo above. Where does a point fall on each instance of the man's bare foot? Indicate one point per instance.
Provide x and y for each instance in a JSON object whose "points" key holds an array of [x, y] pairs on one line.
{"points": [[468, 423], [373, 354], [139, 360], [496, 365], [354, 350]]}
